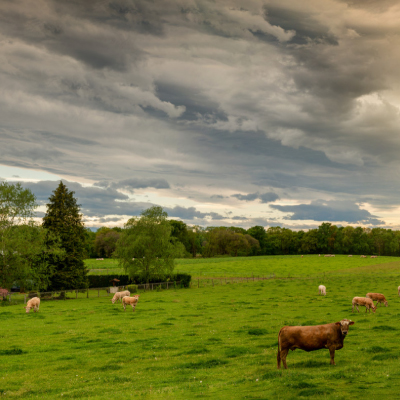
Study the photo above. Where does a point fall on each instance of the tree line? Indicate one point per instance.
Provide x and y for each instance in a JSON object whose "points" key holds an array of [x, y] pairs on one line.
{"points": [[236, 241]]}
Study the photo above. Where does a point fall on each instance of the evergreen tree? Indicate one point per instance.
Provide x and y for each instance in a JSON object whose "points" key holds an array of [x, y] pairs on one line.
{"points": [[63, 219]]}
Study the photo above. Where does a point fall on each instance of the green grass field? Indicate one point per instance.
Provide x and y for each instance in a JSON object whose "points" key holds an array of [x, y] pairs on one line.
{"points": [[213, 342], [281, 266]]}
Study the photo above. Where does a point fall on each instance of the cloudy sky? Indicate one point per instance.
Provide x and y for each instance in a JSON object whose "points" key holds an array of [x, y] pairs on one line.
{"points": [[241, 112]]}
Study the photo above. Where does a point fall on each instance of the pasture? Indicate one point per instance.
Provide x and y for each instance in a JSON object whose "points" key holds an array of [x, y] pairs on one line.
{"points": [[281, 266], [209, 342]]}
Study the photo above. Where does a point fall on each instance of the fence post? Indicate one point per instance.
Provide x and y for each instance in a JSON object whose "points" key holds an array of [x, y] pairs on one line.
{"points": [[152, 286], [167, 285]]}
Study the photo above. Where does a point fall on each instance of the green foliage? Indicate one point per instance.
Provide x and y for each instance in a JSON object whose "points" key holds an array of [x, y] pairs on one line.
{"points": [[22, 241], [146, 247], [132, 288], [64, 219], [106, 241], [99, 281]]}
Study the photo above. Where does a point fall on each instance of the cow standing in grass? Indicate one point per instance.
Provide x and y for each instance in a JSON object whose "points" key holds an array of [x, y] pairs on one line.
{"points": [[310, 338], [363, 301], [130, 300]]}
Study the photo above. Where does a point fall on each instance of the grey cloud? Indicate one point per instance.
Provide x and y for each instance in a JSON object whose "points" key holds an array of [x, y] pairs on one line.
{"points": [[135, 183], [329, 211], [264, 197]]}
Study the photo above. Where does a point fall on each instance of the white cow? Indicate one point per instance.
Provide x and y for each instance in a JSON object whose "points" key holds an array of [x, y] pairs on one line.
{"points": [[322, 290], [34, 303], [120, 295]]}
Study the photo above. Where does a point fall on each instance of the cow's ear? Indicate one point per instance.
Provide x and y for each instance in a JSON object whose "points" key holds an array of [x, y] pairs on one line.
{"points": [[351, 322], [338, 323]]}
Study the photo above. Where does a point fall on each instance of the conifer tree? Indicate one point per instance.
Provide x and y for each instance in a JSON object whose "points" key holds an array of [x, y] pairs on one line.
{"points": [[63, 218]]}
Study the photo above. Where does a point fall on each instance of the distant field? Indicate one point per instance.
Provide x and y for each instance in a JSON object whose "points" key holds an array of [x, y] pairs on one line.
{"points": [[281, 266], [208, 343]]}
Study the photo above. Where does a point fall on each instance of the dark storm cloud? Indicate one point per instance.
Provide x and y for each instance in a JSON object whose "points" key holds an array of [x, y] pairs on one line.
{"points": [[330, 211], [305, 24]]}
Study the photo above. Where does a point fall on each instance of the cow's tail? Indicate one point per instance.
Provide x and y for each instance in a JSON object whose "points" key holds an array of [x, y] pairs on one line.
{"points": [[278, 357]]}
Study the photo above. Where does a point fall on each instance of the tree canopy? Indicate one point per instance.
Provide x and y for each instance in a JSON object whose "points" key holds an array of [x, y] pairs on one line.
{"points": [[146, 247], [22, 241], [63, 218]]}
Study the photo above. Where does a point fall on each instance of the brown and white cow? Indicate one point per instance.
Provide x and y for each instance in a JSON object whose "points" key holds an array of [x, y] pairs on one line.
{"points": [[378, 297], [363, 301], [310, 338]]}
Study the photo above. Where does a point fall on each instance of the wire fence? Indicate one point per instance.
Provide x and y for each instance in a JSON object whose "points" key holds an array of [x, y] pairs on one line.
{"points": [[14, 298]]}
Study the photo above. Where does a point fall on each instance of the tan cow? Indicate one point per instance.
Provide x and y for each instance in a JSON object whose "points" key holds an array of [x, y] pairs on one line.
{"points": [[322, 290], [33, 303], [378, 297], [309, 338], [120, 295], [363, 301], [130, 300], [398, 290]]}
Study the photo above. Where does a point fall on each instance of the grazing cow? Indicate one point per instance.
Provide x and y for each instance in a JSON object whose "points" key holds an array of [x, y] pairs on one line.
{"points": [[327, 255], [309, 338], [398, 290], [374, 256], [350, 255], [130, 300], [363, 256], [322, 290], [3, 293], [33, 303], [120, 295], [378, 297], [363, 301]]}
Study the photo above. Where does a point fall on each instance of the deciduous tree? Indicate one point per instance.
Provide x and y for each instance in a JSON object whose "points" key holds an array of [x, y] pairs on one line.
{"points": [[146, 247]]}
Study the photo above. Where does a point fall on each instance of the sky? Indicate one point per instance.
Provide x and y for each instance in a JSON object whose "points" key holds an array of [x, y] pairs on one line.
{"points": [[225, 113]]}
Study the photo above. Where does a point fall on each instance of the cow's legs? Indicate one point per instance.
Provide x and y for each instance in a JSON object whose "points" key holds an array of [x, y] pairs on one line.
{"points": [[332, 353], [357, 308], [283, 357]]}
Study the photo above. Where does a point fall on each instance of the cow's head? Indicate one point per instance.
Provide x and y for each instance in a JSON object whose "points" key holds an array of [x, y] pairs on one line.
{"points": [[27, 309], [344, 325], [373, 308], [386, 303]]}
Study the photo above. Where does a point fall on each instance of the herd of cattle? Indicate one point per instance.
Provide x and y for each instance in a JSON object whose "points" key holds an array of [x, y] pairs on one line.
{"points": [[328, 336], [308, 338]]}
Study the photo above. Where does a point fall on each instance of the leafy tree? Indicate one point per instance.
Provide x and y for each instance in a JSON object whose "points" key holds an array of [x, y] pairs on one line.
{"points": [[258, 232], [146, 247], [180, 231], [90, 237], [21, 239], [64, 219], [106, 241]]}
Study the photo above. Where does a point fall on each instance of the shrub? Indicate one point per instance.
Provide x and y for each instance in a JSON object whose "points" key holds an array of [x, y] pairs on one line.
{"points": [[132, 288]]}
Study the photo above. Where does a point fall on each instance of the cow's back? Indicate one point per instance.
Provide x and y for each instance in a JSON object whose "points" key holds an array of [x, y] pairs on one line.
{"points": [[308, 338]]}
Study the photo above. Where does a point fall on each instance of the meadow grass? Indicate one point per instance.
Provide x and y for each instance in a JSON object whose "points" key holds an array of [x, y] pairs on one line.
{"points": [[280, 266], [213, 342]]}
